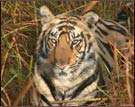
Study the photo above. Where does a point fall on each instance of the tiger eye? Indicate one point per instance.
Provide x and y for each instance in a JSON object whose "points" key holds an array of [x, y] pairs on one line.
{"points": [[53, 40]]}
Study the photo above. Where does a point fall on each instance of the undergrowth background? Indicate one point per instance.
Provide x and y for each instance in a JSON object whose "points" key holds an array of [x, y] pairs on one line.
{"points": [[20, 28]]}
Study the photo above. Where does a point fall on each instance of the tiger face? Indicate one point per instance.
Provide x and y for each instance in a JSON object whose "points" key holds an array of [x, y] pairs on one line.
{"points": [[67, 46]]}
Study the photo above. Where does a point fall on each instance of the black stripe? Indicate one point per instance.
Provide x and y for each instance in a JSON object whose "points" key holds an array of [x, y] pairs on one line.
{"points": [[48, 45], [82, 35], [63, 32], [62, 18], [99, 33], [45, 100], [107, 46], [103, 31], [86, 83], [111, 21], [65, 26], [114, 28], [76, 36], [42, 39], [118, 29], [89, 46], [49, 84], [40, 51], [75, 16], [46, 50], [54, 34], [99, 45], [68, 21]]}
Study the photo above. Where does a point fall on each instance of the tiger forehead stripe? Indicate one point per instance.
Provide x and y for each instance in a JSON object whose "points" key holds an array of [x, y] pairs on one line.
{"points": [[66, 27], [75, 16], [68, 21]]}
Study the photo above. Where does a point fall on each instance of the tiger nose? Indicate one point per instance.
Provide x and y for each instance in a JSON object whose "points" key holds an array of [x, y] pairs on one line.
{"points": [[61, 66]]}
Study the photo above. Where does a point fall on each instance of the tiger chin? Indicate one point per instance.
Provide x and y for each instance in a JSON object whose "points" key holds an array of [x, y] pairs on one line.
{"points": [[68, 62]]}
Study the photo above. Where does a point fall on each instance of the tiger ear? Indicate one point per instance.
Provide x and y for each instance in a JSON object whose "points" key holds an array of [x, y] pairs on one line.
{"points": [[90, 17], [46, 15]]}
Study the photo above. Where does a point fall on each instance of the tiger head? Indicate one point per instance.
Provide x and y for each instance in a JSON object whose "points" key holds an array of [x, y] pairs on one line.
{"points": [[66, 47]]}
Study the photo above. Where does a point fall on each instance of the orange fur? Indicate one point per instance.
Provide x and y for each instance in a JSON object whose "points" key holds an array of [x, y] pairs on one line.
{"points": [[63, 54]]}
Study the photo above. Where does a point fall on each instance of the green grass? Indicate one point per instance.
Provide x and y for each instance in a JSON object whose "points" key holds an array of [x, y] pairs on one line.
{"points": [[20, 28]]}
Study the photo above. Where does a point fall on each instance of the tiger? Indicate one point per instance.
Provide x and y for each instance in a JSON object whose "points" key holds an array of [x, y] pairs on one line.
{"points": [[70, 51]]}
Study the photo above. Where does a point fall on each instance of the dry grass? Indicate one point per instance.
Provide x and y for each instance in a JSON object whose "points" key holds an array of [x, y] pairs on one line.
{"points": [[20, 28]]}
